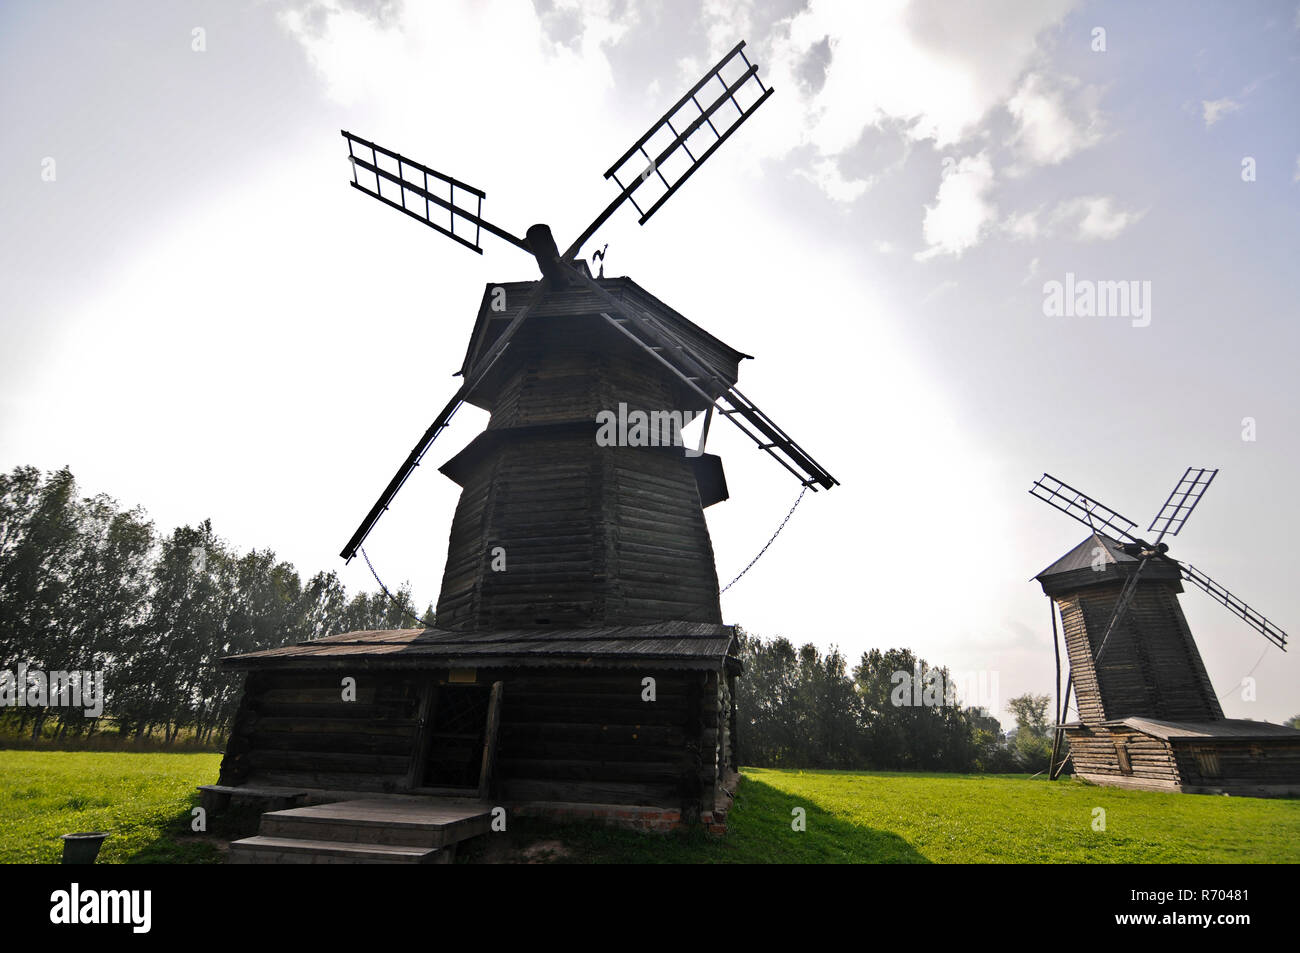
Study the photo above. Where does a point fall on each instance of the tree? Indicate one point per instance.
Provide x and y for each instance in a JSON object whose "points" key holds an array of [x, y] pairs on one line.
{"points": [[1030, 712], [1032, 744], [85, 585]]}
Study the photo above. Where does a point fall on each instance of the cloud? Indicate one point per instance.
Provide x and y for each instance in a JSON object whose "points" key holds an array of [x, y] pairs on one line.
{"points": [[921, 70], [1032, 272], [1094, 217], [826, 174], [1047, 134], [961, 211], [1296, 176], [1214, 110], [1023, 225]]}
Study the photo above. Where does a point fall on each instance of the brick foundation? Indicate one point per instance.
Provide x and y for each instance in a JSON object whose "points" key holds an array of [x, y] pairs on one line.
{"points": [[625, 816]]}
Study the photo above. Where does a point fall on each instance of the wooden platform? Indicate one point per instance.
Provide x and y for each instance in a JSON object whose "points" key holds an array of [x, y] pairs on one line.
{"points": [[415, 830]]}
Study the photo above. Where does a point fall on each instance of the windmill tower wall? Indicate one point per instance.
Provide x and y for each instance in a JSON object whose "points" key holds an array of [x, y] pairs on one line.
{"points": [[554, 529], [1151, 665]]}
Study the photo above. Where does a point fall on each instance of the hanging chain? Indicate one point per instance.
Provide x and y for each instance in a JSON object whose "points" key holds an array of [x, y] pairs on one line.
{"points": [[737, 578], [768, 543], [400, 608]]}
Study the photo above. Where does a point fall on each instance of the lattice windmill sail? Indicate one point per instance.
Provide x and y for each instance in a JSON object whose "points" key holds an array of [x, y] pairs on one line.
{"points": [[650, 172], [1141, 686]]}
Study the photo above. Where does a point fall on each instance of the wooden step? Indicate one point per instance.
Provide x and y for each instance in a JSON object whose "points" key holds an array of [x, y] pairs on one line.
{"points": [[294, 850], [398, 823]]}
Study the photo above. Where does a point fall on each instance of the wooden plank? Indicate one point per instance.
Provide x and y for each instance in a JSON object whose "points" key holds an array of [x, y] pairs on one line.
{"points": [[490, 740]]}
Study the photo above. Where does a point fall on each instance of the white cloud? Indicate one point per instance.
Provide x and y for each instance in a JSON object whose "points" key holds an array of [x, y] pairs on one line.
{"points": [[1094, 217], [826, 174], [1023, 225], [1047, 134], [1214, 110], [1296, 176], [1032, 272], [961, 210], [921, 70]]}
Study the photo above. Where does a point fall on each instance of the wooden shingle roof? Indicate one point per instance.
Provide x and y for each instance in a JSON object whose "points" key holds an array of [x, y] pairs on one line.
{"points": [[1240, 729], [720, 357], [661, 644], [1099, 560]]}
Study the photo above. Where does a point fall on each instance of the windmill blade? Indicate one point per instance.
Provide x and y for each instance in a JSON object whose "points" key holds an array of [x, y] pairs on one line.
{"points": [[1182, 500], [687, 134], [1235, 605], [439, 424], [662, 345], [1084, 508], [415, 189]]}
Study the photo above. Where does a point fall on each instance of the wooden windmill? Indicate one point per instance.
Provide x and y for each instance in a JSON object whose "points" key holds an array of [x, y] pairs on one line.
{"points": [[1148, 715], [579, 654]]}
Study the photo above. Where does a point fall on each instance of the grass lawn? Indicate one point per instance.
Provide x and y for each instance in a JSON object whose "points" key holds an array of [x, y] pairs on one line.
{"points": [[888, 817], [143, 800]]}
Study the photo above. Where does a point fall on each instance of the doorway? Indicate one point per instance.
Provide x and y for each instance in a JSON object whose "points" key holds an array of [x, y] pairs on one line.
{"points": [[457, 747]]}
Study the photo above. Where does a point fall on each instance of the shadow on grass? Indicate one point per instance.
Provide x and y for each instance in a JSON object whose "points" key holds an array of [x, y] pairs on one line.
{"points": [[179, 843], [760, 831]]}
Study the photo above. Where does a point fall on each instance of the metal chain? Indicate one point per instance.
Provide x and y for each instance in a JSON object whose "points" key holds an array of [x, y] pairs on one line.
{"points": [[737, 578], [768, 543], [400, 608], [1238, 686]]}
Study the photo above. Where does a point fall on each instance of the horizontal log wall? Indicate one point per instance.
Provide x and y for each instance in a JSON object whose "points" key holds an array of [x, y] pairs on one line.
{"points": [[589, 737], [1094, 752], [1266, 762], [591, 535], [565, 735], [294, 730]]}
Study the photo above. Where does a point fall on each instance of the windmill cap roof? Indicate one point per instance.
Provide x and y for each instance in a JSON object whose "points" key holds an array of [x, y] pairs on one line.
{"points": [[1099, 559], [1085, 555]]}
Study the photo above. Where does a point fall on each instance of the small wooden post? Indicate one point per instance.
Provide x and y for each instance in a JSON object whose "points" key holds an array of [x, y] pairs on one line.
{"points": [[1060, 702], [490, 741]]}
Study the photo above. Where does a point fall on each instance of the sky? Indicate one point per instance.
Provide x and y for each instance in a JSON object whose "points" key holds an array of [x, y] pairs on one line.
{"points": [[199, 316]]}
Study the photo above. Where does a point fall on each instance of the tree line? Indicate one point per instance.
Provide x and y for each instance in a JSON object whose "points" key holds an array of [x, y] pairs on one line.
{"points": [[799, 708], [88, 585]]}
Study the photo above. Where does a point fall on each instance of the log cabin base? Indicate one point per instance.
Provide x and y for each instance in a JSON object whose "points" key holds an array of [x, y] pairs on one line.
{"points": [[631, 726], [1224, 756]]}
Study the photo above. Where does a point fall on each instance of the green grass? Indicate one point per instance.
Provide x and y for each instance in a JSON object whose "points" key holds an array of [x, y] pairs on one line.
{"points": [[143, 801], [886, 817]]}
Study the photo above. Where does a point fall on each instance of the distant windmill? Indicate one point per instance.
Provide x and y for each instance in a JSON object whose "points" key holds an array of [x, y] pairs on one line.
{"points": [[1148, 713]]}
